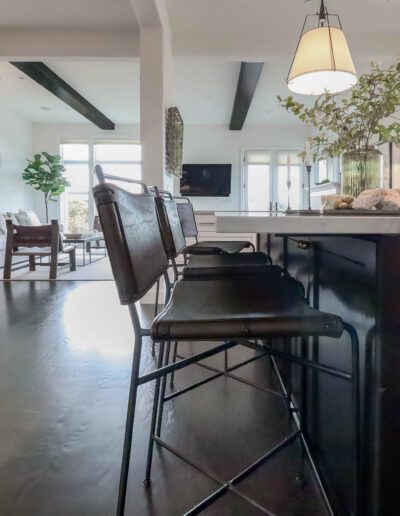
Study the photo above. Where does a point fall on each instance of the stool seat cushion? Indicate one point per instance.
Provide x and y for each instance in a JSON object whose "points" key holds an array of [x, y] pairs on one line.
{"points": [[244, 307], [216, 265], [212, 246]]}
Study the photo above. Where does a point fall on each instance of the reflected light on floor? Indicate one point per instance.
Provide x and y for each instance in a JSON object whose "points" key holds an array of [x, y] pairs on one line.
{"points": [[98, 323]]}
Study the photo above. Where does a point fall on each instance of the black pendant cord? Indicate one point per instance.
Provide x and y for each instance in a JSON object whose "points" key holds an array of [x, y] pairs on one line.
{"points": [[322, 13]]}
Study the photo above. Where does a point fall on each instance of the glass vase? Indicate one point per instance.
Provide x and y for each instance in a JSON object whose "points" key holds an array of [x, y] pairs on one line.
{"points": [[361, 170]]}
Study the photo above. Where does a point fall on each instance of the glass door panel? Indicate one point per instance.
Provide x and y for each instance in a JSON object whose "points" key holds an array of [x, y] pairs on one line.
{"points": [[258, 187], [295, 188]]}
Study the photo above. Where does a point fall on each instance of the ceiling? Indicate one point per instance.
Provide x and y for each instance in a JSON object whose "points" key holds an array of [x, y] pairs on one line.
{"points": [[112, 87], [250, 17], [210, 38], [70, 15], [204, 91]]}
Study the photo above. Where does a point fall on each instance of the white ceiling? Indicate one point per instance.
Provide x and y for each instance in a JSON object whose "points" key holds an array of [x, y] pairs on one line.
{"points": [[112, 87], [67, 15], [204, 86], [250, 17]]}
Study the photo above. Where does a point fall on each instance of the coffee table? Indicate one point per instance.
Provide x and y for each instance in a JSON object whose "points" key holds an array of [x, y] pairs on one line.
{"points": [[86, 240]]}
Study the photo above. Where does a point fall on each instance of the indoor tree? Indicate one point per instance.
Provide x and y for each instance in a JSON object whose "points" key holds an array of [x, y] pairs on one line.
{"points": [[45, 173]]}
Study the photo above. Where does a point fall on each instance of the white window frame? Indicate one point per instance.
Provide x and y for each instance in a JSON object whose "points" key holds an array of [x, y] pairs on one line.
{"points": [[91, 142], [273, 151]]}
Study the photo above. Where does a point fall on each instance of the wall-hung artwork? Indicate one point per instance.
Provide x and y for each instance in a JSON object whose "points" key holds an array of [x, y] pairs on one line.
{"points": [[174, 142]]}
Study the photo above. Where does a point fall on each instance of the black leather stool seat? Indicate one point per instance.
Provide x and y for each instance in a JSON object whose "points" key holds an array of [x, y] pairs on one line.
{"points": [[228, 247], [245, 307], [227, 264]]}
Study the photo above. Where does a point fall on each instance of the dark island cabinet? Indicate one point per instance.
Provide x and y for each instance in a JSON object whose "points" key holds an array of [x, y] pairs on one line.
{"points": [[357, 278]]}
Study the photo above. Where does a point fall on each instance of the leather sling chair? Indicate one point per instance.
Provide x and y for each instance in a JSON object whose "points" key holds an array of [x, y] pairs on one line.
{"points": [[203, 266], [231, 311], [210, 257], [189, 227]]}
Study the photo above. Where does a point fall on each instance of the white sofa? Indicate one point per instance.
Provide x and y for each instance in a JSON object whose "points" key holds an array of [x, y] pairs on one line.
{"points": [[25, 218]]}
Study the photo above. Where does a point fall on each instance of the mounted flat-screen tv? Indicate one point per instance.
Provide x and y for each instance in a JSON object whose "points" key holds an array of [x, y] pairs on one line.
{"points": [[206, 180]]}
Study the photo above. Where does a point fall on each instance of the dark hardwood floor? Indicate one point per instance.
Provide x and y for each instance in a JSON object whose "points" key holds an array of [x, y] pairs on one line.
{"points": [[65, 356]]}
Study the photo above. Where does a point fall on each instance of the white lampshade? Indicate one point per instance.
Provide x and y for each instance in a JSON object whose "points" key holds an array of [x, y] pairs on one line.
{"points": [[322, 63]]}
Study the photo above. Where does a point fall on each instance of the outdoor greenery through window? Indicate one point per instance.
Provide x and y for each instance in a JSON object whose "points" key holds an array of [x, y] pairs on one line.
{"points": [[119, 158], [75, 208]]}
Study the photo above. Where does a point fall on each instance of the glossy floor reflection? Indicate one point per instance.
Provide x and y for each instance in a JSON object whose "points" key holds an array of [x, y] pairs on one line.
{"points": [[65, 356]]}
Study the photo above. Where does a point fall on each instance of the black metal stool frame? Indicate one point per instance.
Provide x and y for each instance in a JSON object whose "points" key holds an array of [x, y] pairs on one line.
{"points": [[163, 369]]}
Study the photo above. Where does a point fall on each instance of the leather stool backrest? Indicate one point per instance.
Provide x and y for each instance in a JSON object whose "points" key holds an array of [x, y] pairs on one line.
{"points": [[170, 225], [187, 218], [133, 239]]}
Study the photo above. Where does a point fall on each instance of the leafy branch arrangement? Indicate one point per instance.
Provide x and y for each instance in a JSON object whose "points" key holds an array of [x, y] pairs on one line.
{"points": [[45, 173], [367, 116]]}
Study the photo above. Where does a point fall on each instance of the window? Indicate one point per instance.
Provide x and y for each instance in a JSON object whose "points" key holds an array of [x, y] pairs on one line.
{"points": [[284, 176], [322, 170], [119, 158], [123, 159], [258, 180], [75, 205], [265, 180]]}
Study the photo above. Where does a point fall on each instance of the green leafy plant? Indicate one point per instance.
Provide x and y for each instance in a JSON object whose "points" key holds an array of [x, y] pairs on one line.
{"points": [[45, 173], [355, 122]]}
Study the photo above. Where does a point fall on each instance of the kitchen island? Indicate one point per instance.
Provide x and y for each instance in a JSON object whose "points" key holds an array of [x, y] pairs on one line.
{"points": [[349, 266]]}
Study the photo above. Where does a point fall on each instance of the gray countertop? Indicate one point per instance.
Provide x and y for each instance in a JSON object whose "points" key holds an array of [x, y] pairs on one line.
{"points": [[270, 222]]}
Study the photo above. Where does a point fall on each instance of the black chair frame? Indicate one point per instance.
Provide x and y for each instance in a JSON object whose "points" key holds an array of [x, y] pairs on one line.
{"points": [[163, 369]]}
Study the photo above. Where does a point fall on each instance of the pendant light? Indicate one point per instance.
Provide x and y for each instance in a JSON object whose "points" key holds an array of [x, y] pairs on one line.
{"points": [[322, 62]]}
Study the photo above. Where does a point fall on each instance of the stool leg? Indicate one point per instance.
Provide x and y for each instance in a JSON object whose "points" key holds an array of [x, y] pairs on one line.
{"points": [[147, 479], [162, 394], [289, 380], [226, 361], [153, 346], [126, 454], [356, 414], [174, 354]]}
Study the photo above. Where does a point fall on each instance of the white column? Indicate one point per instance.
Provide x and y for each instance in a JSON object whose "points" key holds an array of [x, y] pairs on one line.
{"points": [[155, 98]]}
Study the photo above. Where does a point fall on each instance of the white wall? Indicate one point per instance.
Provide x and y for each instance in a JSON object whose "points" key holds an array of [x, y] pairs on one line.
{"points": [[15, 149], [202, 144], [216, 144]]}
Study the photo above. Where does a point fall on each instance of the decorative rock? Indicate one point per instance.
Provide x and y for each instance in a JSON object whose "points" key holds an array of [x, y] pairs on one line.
{"points": [[331, 202], [368, 199]]}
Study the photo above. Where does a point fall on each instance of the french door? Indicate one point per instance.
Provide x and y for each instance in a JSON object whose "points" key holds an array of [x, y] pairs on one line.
{"points": [[265, 177], [257, 184]]}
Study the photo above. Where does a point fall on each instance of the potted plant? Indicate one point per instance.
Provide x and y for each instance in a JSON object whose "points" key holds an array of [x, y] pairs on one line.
{"points": [[351, 126], [45, 173]]}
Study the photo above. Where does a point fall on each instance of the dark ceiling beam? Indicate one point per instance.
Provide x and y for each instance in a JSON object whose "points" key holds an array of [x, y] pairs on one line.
{"points": [[44, 76], [246, 86]]}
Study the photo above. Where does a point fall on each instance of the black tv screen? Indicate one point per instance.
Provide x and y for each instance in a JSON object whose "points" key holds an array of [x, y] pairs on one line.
{"points": [[206, 180]]}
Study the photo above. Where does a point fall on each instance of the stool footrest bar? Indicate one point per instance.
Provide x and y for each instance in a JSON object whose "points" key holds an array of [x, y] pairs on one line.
{"points": [[184, 363]]}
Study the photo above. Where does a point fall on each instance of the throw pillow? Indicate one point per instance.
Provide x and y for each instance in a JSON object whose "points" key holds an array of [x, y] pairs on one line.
{"points": [[28, 218]]}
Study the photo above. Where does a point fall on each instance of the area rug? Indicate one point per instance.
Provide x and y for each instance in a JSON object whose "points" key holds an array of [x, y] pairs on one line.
{"points": [[98, 270]]}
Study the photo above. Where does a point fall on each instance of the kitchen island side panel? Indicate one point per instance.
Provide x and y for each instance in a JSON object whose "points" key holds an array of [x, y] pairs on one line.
{"points": [[357, 278]]}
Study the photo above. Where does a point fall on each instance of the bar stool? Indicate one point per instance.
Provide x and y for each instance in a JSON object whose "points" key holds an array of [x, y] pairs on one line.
{"points": [[231, 310], [205, 265], [190, 230]]}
